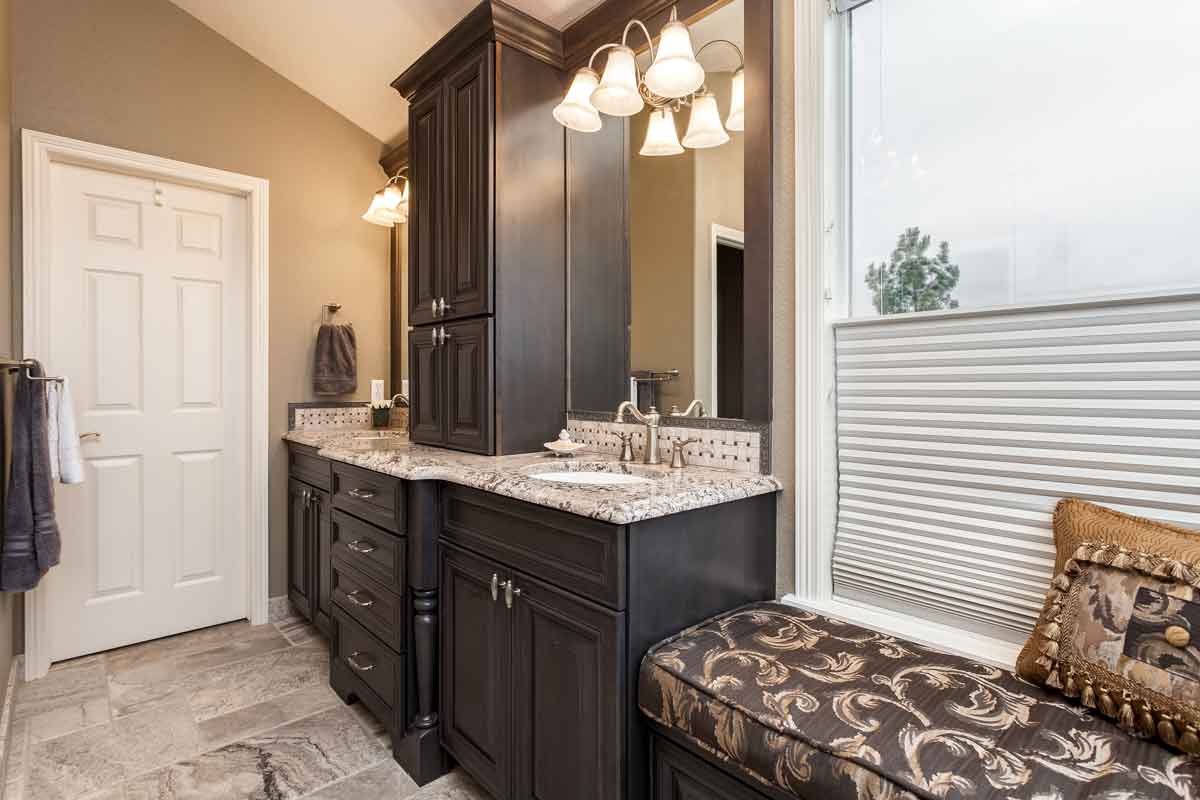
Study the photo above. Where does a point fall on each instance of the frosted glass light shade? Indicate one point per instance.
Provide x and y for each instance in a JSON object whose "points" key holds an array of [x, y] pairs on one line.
{"points": [[381, 211], [661, 137], [675, 71], [576, 111], [736, 121], [704, 124], [617, 94]]}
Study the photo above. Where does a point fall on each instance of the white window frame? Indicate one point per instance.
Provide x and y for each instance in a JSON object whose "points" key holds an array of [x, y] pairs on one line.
{"points": [[822, 298]]}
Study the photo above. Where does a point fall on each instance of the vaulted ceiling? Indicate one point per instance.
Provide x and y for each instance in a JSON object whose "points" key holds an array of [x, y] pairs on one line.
{"points": [[347, 53]]}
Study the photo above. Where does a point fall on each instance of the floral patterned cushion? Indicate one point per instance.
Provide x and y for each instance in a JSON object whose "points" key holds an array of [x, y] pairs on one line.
{"points": [[825, 710], [1116, 630]]}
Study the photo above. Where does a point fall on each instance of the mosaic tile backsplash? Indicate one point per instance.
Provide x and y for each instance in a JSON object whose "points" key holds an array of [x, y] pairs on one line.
{"points": [[311, 416], [741, 446]]}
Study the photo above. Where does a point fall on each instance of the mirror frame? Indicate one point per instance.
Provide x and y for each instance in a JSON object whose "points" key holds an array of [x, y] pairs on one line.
{"points": [[605, 24], [392, 162]]}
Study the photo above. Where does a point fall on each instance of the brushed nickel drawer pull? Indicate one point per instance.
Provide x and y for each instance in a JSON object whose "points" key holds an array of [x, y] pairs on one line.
{"points": [[362, 546], [362, 494], [361, 598], [495, 586], [353, 661]]}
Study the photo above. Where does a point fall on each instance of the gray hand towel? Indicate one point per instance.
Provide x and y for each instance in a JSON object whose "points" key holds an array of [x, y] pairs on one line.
{"points": [[31, 542], [335, 367]]}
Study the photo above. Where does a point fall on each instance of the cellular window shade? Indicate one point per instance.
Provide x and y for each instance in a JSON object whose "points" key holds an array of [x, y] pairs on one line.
{"points": [[957, 435]]}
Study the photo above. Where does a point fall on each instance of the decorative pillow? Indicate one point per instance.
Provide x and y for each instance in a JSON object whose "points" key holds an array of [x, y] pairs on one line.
{"points": [[1120, 629]]}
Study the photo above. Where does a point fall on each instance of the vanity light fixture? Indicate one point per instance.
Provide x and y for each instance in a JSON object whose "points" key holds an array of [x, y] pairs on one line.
{"points": [[389, 206], [661, 137], [675, 79]]}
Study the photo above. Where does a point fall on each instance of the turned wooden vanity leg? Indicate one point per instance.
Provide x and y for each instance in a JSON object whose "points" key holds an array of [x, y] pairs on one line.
{"points": [[425, 641]]}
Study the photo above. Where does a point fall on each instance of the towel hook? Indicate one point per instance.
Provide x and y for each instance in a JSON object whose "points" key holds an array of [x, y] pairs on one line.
{"points": [[328, 310]]}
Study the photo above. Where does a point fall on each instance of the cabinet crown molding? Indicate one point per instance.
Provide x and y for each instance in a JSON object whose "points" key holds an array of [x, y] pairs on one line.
{"points": [[491, 20]]}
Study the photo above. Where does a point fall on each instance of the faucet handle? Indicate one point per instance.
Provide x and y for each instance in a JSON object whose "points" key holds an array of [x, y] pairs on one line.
{"points": [[679, 453], [626, 447]]}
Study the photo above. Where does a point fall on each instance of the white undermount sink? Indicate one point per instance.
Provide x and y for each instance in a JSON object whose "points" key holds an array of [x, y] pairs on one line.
{"points": [[592, 478]]}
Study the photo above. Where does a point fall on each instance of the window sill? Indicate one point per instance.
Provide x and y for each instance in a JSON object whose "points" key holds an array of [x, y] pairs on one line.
{"points": [[996, 652]]}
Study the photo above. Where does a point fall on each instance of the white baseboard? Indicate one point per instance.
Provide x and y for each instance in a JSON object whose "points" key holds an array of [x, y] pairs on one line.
{"points": [[10, 692]]}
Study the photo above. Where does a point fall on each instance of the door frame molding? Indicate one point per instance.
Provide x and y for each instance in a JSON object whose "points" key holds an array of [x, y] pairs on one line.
{"points": [[730, 237], [38, 152]]}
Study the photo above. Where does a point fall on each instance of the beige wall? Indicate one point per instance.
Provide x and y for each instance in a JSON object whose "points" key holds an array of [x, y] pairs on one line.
{"points": [[720, 200], [144, 75], [662, 206], [8, 602]]}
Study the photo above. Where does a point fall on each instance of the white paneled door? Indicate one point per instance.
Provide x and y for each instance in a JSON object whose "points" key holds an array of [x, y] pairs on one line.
{"points": [[148, 289]]}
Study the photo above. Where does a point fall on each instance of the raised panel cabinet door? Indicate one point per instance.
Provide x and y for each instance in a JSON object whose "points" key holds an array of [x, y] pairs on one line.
{"points": [[427, 389], [323, 576], [475, 668], [470, 391], [300, 547], [470, 125], [427, 210], [567, 695]]}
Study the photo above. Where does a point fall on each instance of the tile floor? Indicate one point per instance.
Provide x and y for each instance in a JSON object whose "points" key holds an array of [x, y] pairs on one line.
{"points": [[221, 713]]}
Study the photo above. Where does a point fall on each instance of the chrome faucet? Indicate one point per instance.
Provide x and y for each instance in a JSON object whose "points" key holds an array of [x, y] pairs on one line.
{"points": [[650, 419], [695, 405]]}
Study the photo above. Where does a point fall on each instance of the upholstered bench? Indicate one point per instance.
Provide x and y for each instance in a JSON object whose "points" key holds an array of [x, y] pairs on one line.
{"points": [[776, 702]]}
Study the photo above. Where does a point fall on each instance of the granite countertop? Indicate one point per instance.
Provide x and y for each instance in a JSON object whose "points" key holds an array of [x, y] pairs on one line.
{"points": [[668, 491]]}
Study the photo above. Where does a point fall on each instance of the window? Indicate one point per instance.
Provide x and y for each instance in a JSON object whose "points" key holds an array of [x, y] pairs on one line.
{"points": [[1050, 144]]}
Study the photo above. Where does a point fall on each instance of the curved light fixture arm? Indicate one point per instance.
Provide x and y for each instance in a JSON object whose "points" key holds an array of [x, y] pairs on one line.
{"points": [[645, 31], [738, 50]]}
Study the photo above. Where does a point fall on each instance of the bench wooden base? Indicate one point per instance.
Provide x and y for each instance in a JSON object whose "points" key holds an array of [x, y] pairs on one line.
{"points": [[681, 773]]}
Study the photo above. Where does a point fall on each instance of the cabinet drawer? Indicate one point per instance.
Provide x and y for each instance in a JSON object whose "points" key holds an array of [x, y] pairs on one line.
{"points": [[374, 497], [375, 552], [366, 663], [582, 555], [305, 465], [371, 604]]}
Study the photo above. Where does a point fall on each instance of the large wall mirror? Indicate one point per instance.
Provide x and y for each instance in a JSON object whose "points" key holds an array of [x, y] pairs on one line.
{"points": [[695, 192], [687, 238]]}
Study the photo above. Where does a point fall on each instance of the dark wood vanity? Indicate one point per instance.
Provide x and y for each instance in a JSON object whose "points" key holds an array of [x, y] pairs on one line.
{"points": [[362, 566], [509, 633]]}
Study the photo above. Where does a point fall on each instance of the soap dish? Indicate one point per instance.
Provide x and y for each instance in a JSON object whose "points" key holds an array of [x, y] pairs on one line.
{"points": [[564, 449]]}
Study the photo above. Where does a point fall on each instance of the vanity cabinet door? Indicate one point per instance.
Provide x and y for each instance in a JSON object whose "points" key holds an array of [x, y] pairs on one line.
{"points": [[426, 217], [322, 575], [567, 700], [467, 351], [470, 109], [300, 547], [476, 669], [426, 410]]}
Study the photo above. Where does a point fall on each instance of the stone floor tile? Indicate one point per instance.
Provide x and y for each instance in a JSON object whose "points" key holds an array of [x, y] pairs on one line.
{"points": [[102, 756], [282, 764], [61, 688], [255, 680], [244, 722], [457, 785], [61, 721], [384, 780]]}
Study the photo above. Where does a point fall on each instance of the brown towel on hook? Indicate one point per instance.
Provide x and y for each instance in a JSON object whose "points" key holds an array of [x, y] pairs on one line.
{"points": [[335, 366], [31, 539]]}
